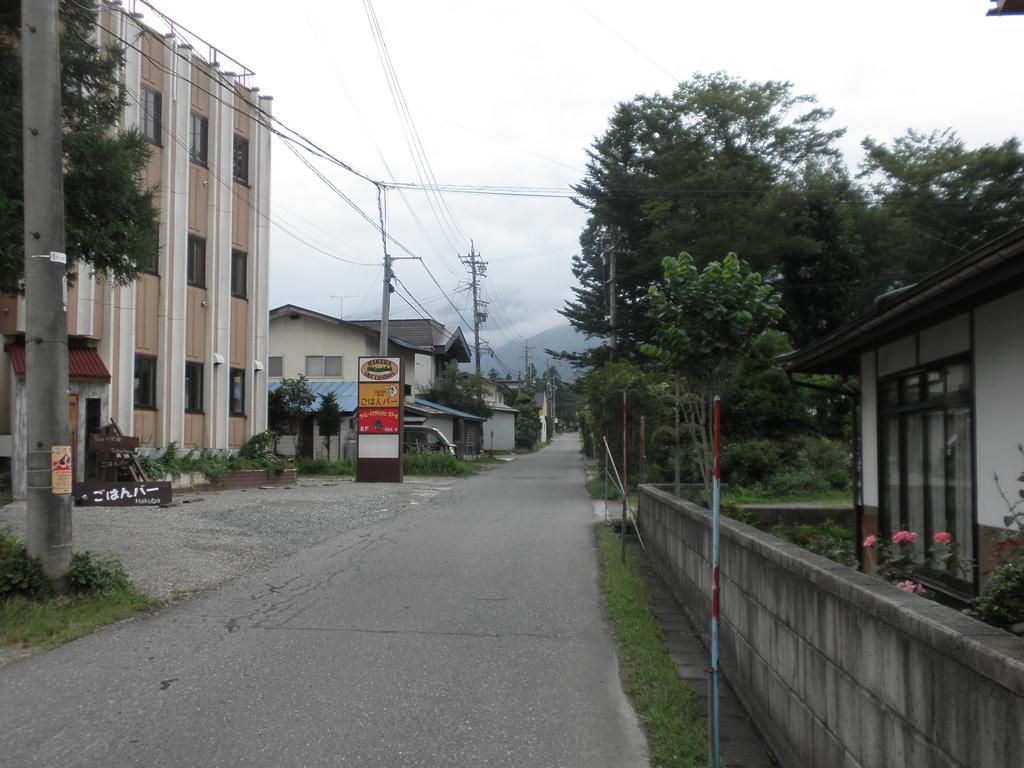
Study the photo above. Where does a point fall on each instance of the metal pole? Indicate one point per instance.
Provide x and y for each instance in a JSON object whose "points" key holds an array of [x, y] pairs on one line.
{"points": [[716, 519], [625, 476], [46, 326]]}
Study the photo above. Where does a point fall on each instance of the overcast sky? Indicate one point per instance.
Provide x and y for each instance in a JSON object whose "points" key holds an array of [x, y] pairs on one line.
{"points": [[512, 94]]}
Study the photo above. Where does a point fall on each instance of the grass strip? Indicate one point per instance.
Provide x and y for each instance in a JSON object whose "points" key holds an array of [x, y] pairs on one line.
{"points": [[675, 727], [39, 625]]}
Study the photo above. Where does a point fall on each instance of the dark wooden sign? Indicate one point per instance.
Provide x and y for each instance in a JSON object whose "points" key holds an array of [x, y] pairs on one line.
{"points": [[112, 443], [128, 494]]}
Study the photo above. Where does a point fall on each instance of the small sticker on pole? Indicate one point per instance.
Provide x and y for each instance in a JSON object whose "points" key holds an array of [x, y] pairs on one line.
{"points": [[61, 476]]}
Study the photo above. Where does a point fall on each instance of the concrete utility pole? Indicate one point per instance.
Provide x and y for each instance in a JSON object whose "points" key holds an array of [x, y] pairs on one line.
{"points": [[46, 327], [385, 306], [526, 362], [477, 269], [611, 299]]}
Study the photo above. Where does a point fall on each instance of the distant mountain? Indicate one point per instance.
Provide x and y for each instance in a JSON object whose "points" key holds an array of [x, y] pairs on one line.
{"points": [[558, 338]]}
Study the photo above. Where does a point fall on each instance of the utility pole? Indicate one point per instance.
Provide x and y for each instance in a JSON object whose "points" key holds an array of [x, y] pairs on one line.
{"points": [[46, 327], [611, 299], [385, 305], [526, 362], [477, 269]]}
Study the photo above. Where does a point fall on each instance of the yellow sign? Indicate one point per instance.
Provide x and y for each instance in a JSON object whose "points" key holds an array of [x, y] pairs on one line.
{"points": [[61, 476], [378, 396]]}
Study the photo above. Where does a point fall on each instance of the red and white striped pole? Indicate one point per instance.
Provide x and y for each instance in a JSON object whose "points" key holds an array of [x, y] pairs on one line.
{"points": [[716, 519]]}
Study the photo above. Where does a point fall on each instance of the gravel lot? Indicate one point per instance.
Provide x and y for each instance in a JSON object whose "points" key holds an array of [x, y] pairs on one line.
{"points": [[203, 539]]}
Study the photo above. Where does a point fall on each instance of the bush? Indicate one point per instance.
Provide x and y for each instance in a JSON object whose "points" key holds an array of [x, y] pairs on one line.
{"points": [[19, 573], [828, 539], [89, 573], [436, 464], [324, 467], [750, 462], [259, 447], [1001, 602]]}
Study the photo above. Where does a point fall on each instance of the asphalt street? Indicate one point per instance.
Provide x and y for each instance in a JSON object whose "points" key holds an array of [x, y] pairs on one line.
{"points": [[467, 632]]}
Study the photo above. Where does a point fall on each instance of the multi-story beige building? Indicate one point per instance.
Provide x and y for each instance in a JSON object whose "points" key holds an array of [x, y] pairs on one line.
{"points": [[178, 355]]}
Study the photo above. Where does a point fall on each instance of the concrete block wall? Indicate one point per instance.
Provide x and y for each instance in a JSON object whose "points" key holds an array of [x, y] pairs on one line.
{"points": [[838, 668]]}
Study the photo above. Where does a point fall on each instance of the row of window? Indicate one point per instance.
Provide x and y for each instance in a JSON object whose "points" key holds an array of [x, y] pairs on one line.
{"points": [[196, 266], [145, 386], [317, 366], [199, 133], [926, 457]]}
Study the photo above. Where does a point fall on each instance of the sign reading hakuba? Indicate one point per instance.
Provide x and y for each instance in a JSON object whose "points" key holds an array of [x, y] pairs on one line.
{"points": [[378, 395], [148, 493], [61, 476], [379, 439], [378, 421], [379, 368]]}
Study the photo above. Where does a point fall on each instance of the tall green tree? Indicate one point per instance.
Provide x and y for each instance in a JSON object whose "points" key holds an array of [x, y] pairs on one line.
{"points": [[111, 223], [705, 318], [720, 165], [291, 403], [934, 199]]}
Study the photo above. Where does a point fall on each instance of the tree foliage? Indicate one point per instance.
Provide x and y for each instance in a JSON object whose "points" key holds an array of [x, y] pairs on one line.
{"points": [[718, 166], [110, 220], [290, 402], [464, 392], [527, 421], [703, 319], [329, 419]]}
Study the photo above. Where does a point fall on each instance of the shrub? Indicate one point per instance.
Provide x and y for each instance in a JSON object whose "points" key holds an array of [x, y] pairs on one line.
{"points": [[20, 574], [324, 467], [436, 464], [1001, 602], [259, 447], [89, 573], [748, 462], [828, 539]]}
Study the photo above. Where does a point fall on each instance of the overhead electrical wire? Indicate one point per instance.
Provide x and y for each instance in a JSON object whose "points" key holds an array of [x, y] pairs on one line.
{"points": [[424, 169]]}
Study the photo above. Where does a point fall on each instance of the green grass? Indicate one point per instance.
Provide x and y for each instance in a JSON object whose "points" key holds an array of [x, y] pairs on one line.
{"points": [[44, 624], [675, 728], [437, 465], [834, 499]]}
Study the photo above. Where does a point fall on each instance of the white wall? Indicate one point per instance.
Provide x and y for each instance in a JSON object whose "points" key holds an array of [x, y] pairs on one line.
{"points": [[998, 402], [869, 428], [503, 426], [294, 339]]}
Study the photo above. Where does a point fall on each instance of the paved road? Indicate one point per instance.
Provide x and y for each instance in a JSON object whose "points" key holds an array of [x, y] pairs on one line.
{"points": [[466, 633]]}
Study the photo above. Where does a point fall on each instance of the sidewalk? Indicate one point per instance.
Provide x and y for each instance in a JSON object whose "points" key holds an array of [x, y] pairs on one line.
{"points": [[741, 745]]}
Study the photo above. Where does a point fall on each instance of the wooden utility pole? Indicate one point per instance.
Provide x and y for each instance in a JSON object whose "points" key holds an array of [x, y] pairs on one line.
{"points": [[46, 327], [477, 269]]}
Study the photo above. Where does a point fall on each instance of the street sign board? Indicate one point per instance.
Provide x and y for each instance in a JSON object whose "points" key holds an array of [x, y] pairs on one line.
{"points": [[378, 421], [128, 494], [378, 395]]}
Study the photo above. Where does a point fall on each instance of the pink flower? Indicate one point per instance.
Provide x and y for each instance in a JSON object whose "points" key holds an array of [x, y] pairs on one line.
{"points": [[909, 586], [904, 537], [870, 540], [942, 538]]}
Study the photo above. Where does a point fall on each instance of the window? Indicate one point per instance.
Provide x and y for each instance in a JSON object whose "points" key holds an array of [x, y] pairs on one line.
{"points": [[240, 160], [152, 114], [236, 394], [198, 139], [196, 270], [145, 381], [320, 365], [926, 457], [194, 387], [275, 367], [314, 365], [239, 261]]}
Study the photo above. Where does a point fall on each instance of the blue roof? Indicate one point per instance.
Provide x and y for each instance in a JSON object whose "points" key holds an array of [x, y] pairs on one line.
{"points": [[346, 392], [446, 409]]}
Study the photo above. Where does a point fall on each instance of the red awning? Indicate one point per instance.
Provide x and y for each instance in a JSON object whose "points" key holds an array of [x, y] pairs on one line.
{"points": [[83, 363]]}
